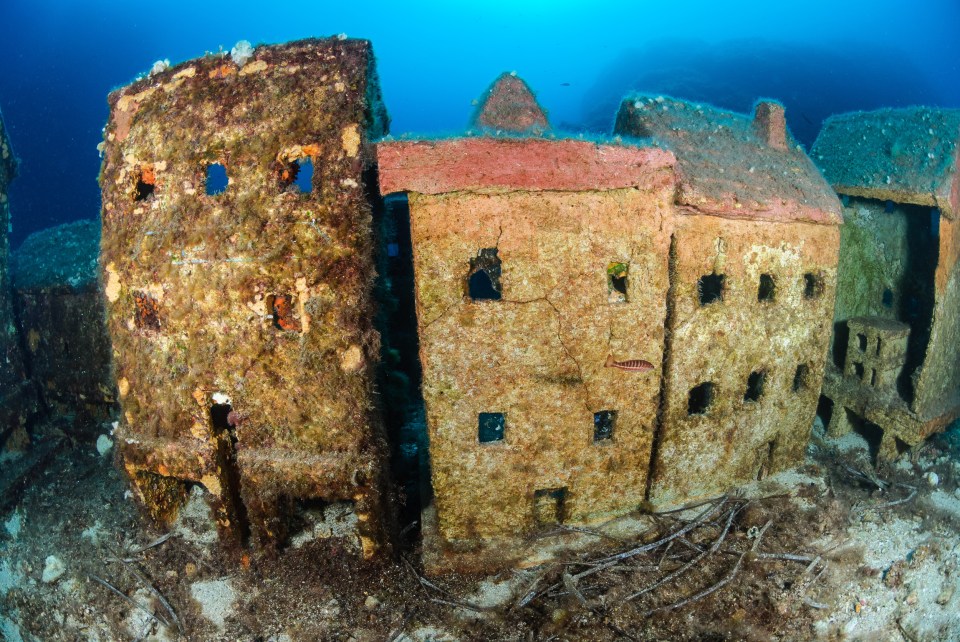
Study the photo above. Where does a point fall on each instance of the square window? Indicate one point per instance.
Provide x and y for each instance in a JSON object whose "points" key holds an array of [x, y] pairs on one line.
{"points": [[700, 399], [617, 274], [483, 284], [710, 288], [216, 180], [801, 378], [603, 425], [755, 384], [548, 506], [767, 289], [490, 427], [813, 285]]}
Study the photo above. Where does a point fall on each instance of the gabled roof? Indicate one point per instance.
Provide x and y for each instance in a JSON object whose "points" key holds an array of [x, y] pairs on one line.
{"points": [[8, 160], [509, 106], [733, 165], [904, 155]]}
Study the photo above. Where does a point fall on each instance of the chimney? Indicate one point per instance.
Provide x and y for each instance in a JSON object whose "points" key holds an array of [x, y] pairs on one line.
{"points": [[770, 123]]}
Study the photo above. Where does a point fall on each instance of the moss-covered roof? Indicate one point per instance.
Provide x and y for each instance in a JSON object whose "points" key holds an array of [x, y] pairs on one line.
{"points": [[58, 257], [8, 161], [727, 165], [905, 155]]}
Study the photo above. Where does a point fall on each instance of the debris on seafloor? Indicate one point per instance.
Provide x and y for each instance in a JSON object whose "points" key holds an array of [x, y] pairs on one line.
{"points": [[893, 374], [578, 255], [239, 297]]}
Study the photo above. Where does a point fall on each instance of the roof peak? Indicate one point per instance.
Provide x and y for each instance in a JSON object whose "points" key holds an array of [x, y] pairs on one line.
{"points": [[509, 106]]}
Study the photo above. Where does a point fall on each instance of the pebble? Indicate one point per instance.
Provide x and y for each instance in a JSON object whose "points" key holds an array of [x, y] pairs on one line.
{"points": [[104, 444], [912, 599], [945, 595], [371, 603], [932, 478], [53, 569]]}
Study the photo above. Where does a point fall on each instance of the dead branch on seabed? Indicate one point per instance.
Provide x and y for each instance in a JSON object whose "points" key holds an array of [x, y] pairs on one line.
{"points": [[448, 598], [159, 619], [153, 590]]}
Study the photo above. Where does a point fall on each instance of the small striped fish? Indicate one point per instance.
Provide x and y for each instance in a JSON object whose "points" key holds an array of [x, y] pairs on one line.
{"points": [[631, 365]]}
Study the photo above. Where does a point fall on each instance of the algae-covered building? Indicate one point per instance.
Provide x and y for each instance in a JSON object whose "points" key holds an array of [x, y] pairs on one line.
{"points": [[17, 395], [604, 325], [753, 261], [895, 375], [535, 260], [237, 267]]}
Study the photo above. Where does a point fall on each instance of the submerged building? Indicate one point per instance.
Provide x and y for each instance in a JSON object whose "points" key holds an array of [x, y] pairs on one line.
{"points": [[894, 374], [237, 258], [608, 325], [18, 402]]}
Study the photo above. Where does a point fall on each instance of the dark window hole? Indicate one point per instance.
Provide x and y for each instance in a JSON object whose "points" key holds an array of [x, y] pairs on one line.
{"points": [[217, 181], [490, 427], [603, 425], [755, 384], [484, 281], [222, 419], [617, 282], [825, 409], [296, 174], [710, 288], [871, 433], [873, 377], [146, 183], [887, 298], [801, 378], [813, 285], [862, 342], [700, 399], [858, 369], [767, 288]]}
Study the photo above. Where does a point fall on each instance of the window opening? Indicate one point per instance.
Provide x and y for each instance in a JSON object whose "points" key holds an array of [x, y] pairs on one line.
{"points": [[755, 384], [296, 174], [217, 179], [548, 506], [801, 378], [146, 183], [813, 285], [862, 342], [710, 288], [700, 399], [490, 427], [603, 425], [484, 281], [887, 298], [767, 288], [617, 282]]}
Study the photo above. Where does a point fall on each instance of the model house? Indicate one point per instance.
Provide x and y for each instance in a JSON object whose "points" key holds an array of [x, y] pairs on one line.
{"points": [[604, 325], [894, 375], [238, 267]]}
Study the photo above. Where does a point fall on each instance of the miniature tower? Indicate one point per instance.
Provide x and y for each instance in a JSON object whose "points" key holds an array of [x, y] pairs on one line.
{"points": [[899, 281], [17, 398], [237, 265], [536, 259]]}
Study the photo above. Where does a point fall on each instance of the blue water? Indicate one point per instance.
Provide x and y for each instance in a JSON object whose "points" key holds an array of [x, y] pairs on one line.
{"points": [[59, 58]]}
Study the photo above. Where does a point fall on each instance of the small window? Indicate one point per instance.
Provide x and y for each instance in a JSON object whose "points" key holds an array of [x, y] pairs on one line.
{"points": [[710, 288], [617, 282], [767, 288], [801, 378], [146, 183], [813, 285], [858, 369], [296, 174], [887, 298], [217, 180], [700, 399], [603, 424], [220, 417], [873, 377], [280, 308], [490, 427], [755, 384], [862, 342], [484, 281], [548, 506]]}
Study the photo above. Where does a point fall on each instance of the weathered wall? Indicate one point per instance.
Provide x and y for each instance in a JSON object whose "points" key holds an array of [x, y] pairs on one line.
{"points": [[17, 395], [538, 354], [938, 381], [735, 439], [60, 309], [242, 321]]}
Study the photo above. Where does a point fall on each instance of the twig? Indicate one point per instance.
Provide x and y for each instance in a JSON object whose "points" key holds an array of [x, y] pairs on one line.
{"points": [[157, 542], [156, 593], [790, 557], [394, 634], [897, 502], [453, 601], [683, 569], [702, 594], [756, 540], [156, 616], [814, 605]]}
